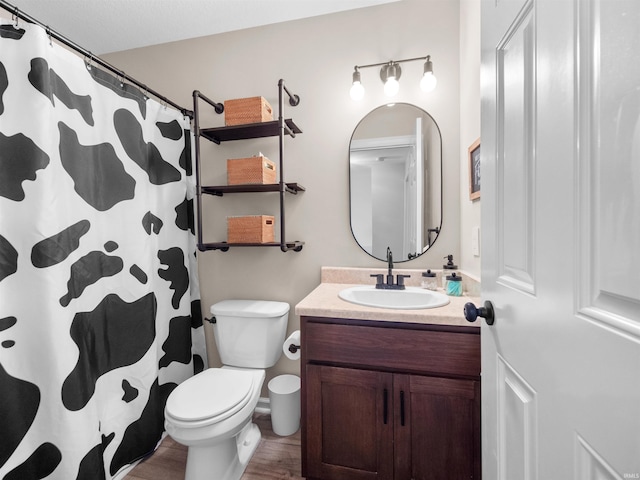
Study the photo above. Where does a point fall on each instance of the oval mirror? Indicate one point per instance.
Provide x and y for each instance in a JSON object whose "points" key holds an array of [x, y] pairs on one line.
{"points": [[395, 181]]}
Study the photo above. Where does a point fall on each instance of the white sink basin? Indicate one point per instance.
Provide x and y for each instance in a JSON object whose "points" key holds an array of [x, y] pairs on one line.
{"points": [[410, 298]]}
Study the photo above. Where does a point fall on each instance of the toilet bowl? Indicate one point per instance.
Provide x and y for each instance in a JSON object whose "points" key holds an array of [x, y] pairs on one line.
{"points": [[211, 412]]}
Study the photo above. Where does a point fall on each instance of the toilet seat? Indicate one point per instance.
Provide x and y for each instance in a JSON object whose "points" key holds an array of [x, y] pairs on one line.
{"points": [[210, 396]]}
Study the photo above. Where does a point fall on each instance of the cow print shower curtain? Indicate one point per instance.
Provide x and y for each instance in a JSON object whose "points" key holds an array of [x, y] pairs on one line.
{"points": [[99, 302]]}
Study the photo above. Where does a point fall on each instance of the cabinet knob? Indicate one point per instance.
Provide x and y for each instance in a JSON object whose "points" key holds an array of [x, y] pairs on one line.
{"points": [[471, 312]]}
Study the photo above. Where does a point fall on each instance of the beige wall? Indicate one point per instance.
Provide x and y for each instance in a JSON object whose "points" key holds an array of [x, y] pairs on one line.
{"points": [[469, 126], [315, 57]]}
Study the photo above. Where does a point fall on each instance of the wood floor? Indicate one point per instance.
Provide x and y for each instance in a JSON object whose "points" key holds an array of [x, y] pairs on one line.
{"points": [[276, 458]]}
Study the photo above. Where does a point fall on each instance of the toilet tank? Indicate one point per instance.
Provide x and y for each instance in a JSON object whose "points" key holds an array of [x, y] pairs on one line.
{"points": [[250, 333]]}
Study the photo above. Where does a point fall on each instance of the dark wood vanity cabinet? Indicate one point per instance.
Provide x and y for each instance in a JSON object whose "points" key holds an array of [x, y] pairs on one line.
{"points": [[387, 400]]}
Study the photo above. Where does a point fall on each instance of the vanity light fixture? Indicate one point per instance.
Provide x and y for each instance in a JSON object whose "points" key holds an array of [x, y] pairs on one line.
{"points": [[390, 74]]}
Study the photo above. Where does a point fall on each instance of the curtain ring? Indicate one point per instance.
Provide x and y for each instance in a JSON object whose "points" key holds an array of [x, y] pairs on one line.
{"points": [[49, 35], [90, 61], [16, 15]]}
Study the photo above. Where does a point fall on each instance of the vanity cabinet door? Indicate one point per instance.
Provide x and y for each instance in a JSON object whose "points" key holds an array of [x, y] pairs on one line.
{"points": [[349, 424], [437, 428]]}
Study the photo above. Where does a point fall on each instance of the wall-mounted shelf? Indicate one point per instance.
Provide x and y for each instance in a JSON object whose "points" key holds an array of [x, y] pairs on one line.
{"points": [[219, 190], [224, 246], [276, 128], [251, 130]]}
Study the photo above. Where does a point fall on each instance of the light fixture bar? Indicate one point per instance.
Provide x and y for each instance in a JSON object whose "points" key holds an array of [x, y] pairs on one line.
{"points": [[390, 74], [393, 61]]}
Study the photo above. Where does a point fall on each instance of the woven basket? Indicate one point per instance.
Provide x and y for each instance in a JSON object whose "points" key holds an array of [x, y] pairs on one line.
{"points": [[250, 229], [240, 111], [252, 170]]}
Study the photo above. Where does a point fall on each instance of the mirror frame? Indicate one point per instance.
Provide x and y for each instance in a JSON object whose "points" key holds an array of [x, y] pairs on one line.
{"points": [[439, 227]]}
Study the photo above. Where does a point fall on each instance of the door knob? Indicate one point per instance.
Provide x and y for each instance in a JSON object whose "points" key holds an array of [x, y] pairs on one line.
{"points": [[471, 312]]}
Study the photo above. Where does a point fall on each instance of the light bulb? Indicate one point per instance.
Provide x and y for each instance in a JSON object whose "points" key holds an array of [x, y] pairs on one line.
{"points": [[428, 82], [391, 87], [357, 91]]}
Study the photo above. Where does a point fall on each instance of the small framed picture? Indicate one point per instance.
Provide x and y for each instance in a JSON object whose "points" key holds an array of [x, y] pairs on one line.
{"points": [[474, 170]]}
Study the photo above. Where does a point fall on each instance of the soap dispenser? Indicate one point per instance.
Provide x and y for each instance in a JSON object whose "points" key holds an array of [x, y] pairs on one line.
{"points": [[448, 266], [429, 280]]}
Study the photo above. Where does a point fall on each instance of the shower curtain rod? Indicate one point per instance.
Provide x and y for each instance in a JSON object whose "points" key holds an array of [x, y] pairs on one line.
{"points": [[87, 54]]}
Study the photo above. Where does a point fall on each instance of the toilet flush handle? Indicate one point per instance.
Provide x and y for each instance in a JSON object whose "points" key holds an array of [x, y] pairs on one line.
{"points": [[211, 320]]}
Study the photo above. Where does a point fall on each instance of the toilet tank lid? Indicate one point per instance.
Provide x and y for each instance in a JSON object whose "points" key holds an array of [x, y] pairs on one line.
{"points": [[252, 308]]}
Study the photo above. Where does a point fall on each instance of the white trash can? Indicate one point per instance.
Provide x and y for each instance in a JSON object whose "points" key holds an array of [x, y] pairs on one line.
{"points": [[284, 398]]}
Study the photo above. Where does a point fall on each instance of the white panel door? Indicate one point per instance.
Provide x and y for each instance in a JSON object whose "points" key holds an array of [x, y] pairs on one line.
{"points": [[561, 239]]}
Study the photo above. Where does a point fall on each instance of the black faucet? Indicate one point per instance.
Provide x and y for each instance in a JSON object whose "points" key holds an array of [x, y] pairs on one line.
{"points": [[389, 285]]}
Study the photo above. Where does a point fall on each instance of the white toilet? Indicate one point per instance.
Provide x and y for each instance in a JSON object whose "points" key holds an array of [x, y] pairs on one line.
{"points": [[211, 412]]}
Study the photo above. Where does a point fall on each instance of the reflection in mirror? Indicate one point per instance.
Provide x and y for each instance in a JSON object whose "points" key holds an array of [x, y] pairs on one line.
{"points": [[395, 173]]}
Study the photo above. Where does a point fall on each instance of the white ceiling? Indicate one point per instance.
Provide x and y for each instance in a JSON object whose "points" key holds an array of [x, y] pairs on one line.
{"points": [[105, 26]]}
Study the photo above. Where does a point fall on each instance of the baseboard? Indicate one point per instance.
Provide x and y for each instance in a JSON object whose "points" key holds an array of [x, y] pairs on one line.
{"points": [[263, 405]]}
